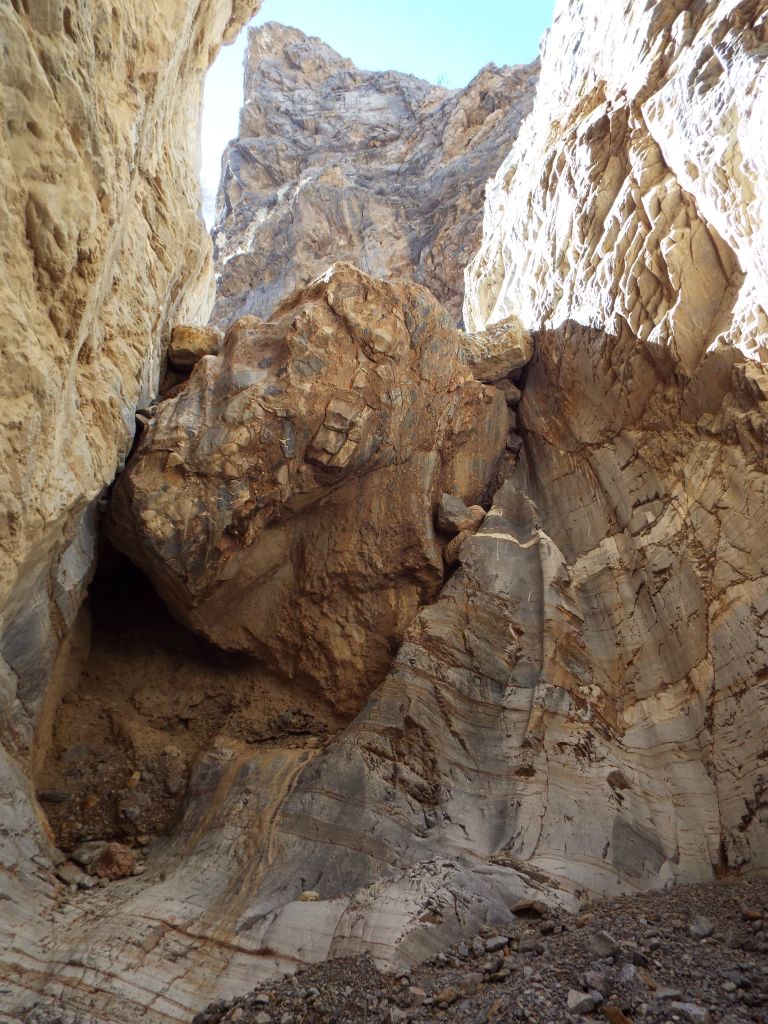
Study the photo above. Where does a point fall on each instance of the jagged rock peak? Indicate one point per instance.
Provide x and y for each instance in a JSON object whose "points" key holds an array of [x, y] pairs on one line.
{"points": [[334, 163]]}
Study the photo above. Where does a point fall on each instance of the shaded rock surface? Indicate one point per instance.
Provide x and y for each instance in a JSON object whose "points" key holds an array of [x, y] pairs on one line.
{"points": [[334, 163], [282, 502]]}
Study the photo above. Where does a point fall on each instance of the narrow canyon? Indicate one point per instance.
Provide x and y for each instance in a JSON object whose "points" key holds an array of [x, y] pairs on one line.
{"points": [[392, 563]]}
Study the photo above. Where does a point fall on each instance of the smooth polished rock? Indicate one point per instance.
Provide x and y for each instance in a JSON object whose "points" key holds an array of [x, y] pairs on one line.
{"points": [[101, 250]]}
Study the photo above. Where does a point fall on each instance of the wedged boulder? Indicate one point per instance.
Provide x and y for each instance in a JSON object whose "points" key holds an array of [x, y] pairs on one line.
{"points": [[501, 349], [282, 503], [190, 343], [453, 516]]}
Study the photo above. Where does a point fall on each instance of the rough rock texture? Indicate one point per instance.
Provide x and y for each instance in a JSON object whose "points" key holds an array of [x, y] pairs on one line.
{"points": [[189, 344], [499, 351], [583, 708], [628, 227], [531, 973], [101, 249], [333, 163], [282, 503]]}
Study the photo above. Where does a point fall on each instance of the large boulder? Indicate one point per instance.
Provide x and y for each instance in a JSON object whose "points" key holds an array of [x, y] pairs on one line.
{"points": [[283, 502]]}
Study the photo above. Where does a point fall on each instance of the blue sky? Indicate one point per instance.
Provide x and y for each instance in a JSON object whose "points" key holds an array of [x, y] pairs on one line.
{"points": [[445, 41]]}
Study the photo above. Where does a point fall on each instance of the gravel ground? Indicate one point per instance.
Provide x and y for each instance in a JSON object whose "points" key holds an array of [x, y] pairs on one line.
{"points": [[693, 954]]}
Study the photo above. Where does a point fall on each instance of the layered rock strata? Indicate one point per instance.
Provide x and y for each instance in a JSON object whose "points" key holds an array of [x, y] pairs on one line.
{"points": [[628, 227], [282, 501], [583, 707], [334, 163]]}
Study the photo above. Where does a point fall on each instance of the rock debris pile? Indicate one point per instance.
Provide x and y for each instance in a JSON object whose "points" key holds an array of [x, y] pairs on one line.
{"points": [[651, 959]]}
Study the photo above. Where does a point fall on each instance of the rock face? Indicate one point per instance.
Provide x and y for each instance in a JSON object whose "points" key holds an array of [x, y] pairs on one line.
{"points": [[628, 228], [282, 502], [103, 249], [583, 707], [333, 163]]}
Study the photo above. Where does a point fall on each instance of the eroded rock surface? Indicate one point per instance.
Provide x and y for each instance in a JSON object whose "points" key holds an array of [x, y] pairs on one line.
{"points": [[283, 501], [583, 708], [190, 343], [103, 250], [333, 163], [627, 228]]}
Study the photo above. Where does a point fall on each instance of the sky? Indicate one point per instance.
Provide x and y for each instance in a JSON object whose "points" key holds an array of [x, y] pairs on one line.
{"points": [[443, 41]]}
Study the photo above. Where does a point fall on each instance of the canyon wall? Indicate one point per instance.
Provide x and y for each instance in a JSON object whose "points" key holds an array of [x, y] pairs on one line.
{"points": [[102, 249], [334, 163], [627, 228], [582, 708]]}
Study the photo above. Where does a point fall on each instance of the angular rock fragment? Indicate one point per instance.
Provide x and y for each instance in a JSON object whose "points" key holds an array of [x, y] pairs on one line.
{"points": [[189, 344], [497, 351], [453, 516], [601, 944], [115, 861], [580, 1002], [510, 390]]}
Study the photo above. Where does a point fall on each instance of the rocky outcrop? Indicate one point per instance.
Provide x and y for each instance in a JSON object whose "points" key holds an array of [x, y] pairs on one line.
{"points": [[422, 426], [333, 163], [103, 249], [627, 227], [582, 708], [282, 502], [189, 344]]}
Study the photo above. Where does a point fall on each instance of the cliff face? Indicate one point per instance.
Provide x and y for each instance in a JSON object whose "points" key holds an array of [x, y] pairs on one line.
{"points": [[378, 168], [627, 228], [582, 708], [102, 249]]}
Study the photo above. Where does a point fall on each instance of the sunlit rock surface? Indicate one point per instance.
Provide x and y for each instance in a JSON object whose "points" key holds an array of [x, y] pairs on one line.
{"points": [[582, 709], [333, 163], [627, 228], [101, 250]]}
